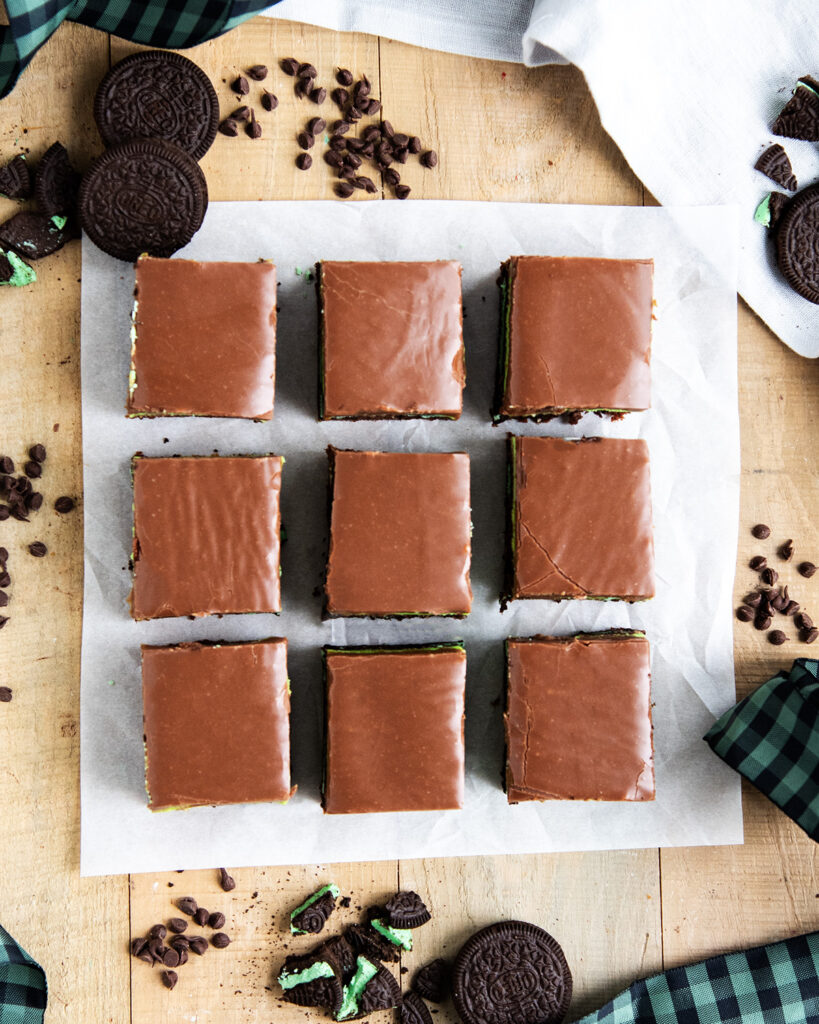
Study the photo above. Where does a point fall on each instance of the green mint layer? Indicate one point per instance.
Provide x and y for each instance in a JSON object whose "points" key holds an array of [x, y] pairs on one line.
{"points": [[364, 973], [319, 969], [133, 335], [331, 888], [804, 85], [58, 221], [762, 214], [320, 293], [397, 936], [22, 273]]}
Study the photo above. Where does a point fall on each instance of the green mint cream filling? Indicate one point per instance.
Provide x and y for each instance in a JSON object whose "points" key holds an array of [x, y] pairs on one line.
{"points": [[397, 936], [320, 969], [22, 273], [762, 214], [331, 888], [364, 973]]}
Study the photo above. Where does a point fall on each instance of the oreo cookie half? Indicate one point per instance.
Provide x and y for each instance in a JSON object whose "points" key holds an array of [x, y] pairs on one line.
{"points": [[774, 164], [511, 973], [15, 178], [144, 196], [406, 910], [56, 182], [797, 243], [799, 118], [156, 94], [413, 1010], [34, 235], [432, 981]]}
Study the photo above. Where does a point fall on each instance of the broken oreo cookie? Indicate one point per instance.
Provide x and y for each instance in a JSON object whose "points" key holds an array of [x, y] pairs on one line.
{"points": [[432, 981], [15, 179], [406, 910], [34, 235], [15, 272], [774, 164], [799, 118], [413, 1010], [770, 209], [797, 243], [56, 183], [311, 916]]}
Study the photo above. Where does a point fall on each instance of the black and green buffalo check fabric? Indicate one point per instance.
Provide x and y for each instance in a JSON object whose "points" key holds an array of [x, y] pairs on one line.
{"points": [[772, 738], [22, 984], [775, 984], [165, 23]]}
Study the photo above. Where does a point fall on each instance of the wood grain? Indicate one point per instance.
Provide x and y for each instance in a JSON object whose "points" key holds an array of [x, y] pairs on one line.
{"points": [[502, 132]]}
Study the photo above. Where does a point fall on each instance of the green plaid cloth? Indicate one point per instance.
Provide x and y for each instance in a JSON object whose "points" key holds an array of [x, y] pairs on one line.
{"points": [[22, 984], [167, 23], [776, 984], [772, 738]]}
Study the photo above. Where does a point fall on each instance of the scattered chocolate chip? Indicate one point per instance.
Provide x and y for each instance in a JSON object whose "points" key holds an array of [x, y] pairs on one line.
{"points": [[4, 599], [64, 504], [169, 979], [780, 602], [337, 144], [402, 191], [253, 128], [776, 637], [180, 942], [157, 949], [4, 513], [269, 100], [387, 129], [199, 945], [316, 125], [786, 551], [809, 635], [354, 114], [305, 140], [332, 157], [229, 127], [339, 97], [227, 883], [220, 940], [304, 161], [146, 957], [258, 72], [344, 77], [343, 190], [769, 576], [762, 621], [289, 66], [414, 144], [33, 470], [5, 579], [318, 95], [791, 608], [744, 613], [159, 931], [38, 549], [170, 957], [6, 464], [37, 452], [339, 127], [137, 946], [34, 501], [430, 159], [177, 925], [373, 106], [391, 176], [803, 620], [201, 917], [758, 562], [4, 555], [806, 569], [216, 920], [240, 114], [183, 956], [353, 160], [188, 905], [241, 85], [307, 70], [367, 184], [760, 531], [302, 87]]}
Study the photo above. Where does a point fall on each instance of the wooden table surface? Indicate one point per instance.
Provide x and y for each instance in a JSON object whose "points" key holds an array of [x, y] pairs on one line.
{"points": [[503, 133]]}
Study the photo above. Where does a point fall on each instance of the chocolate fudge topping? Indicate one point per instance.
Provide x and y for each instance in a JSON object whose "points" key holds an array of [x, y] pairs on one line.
{"points": [[395, 738], [400, 534], [204, 339], [392, 340], [206, 536], [579, 334], [581, 514], [578, 718], [217, 723]]}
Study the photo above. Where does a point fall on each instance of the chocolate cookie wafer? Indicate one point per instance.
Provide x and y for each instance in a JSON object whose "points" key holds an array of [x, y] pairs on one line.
{"points": [[799, 118], [160, 95], [432, 980], [56, 183], [34, 235], [774, 164], [15, 179], [145, 196], [797, 243], [406, 910]]}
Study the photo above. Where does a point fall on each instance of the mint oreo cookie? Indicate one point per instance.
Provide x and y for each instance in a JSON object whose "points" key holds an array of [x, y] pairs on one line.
{"points": [[799, 118], [774, 164], [34, 235], [15, 179], [312, 980], [797, 243]]}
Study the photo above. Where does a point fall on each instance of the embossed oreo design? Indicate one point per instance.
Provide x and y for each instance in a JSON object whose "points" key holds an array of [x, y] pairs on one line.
{"points": [[797, 243], [406, 910], [512, 973], [158, 95], [145, 196]]}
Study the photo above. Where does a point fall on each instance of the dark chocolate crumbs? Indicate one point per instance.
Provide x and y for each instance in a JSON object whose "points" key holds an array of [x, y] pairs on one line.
{"points": [[776, 637], [806, 569], [38, 549], [761, 531], [225, 880], [64, 504], [220, 940]]}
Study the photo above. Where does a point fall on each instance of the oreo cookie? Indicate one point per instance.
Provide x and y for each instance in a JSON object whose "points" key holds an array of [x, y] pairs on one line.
{"points": [[770, 209], [145, 196], [406, 910], [312, 980], [511, 973], [432, 981], [366, 940], [799, 118], [413, 1010], [34, 235], [15, 179], [371, 988], [311, 916], [342, 952], [774, 164], [15, 272], [56, 183], [161, 95], [797, 243]]}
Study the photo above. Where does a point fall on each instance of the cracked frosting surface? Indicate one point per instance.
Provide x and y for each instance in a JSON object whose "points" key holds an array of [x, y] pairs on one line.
{"points": [[399, 534], [395, 730], [579, 334], [217, 723], [206, 535], [205, 339], [582, 519], [578, 719], [392, 339]]}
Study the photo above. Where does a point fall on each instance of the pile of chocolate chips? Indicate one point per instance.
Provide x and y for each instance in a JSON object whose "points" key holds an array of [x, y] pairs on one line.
{"points": [[760, 605], [247, 115]]}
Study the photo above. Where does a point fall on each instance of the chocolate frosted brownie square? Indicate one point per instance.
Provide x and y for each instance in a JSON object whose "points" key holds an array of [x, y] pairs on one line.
{"points": [[578, 717], [394, 739], [203, 339], [391, 340], [206, 535], [575, 336], [399, 534], [217, 723], [580, 522]]}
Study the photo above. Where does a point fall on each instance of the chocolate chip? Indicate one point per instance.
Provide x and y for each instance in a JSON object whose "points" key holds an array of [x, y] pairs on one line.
{"points": [[791, 608], [5, 579], [302, 87], [414, 144], [762, 621], [183, 956], [229, 127], [220, 940], [269, 100], [146, 957], [760, 531], [803, 620], [344, 77], [373, 106], [392, 177], [333, 158], [188, 905], [4, 513], [354, 114], [170, 958], [429, 159], [307, 70], [159, 931], [304, 161], [806, 569], [769, 576], [201, 917], [180, 942], [745, 614], [779, 603], [169, 979], [241, 85], [240, 114], [137, 946], [64, 504], [177, 925], [402, 191], [37, 452], [383, 157], [33, 470], [339, 127], [253, 128], [339, 97], [289, 65], [4, 599], [402, 155], [228, 884], [4, 555], [758, 562], [354, 145], [34, 501], [38, 549], [387, 129], [305, 140], [362, 89], [809, 635], [199, 945], [776, 637], [353, 160], [343, 190], [316, 125], [3, 620], [318, 95], [368, 184], [6, 464], [400, 139], [217, 920], [157, 949], [786, 551], [258, 72]]}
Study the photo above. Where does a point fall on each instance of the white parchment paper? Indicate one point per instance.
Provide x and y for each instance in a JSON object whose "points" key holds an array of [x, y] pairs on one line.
{"points": [[693, 434]]}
